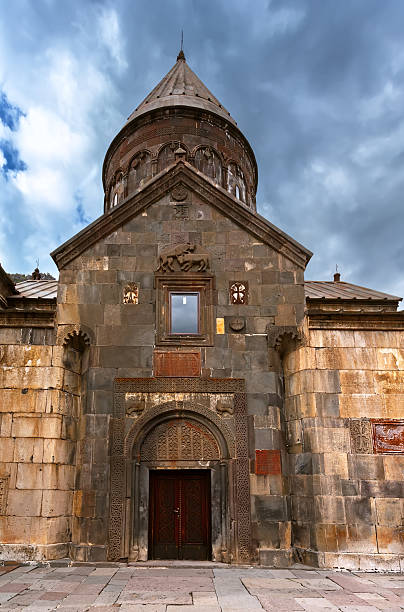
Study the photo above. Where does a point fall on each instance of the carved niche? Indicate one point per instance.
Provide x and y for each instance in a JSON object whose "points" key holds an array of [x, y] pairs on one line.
{"points": [[179, 439], [182, 256]]}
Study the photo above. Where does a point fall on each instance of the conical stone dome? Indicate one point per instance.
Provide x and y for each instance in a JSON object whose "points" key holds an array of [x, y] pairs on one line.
{"points": [[180, 113], [181, 87]]}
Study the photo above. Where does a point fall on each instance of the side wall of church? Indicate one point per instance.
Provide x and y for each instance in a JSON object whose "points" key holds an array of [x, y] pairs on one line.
{"points": [[91, 293], [347, 500], [39, 404]]}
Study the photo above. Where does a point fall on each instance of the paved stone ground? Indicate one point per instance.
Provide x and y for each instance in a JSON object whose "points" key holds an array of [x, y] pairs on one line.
{"points": [[200, 588]]}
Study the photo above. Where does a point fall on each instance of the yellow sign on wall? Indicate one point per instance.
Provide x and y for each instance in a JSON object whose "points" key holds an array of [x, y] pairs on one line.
{"points": [[220, 326]]}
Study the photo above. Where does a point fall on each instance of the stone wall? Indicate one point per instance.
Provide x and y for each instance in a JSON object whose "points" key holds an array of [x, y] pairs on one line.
{"points": [[347, 501], [91, 294], [39, 406]]}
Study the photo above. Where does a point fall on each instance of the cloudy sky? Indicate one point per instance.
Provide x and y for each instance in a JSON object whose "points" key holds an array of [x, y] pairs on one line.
{"points": [[317, 86]]}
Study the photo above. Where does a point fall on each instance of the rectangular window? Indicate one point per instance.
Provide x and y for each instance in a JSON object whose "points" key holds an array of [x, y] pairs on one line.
{"points": [[184, 310]]}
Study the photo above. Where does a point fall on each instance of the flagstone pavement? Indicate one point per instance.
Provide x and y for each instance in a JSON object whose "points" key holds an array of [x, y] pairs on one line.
{"points": [[200, 587]]}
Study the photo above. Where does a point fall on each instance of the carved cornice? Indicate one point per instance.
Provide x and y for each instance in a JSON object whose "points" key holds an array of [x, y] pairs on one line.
{"points": [[35, 317], [391, 321], [182, 173], [179, 385]]}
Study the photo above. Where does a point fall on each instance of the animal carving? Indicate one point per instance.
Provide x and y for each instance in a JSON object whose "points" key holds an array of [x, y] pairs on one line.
{"points": [[167, 257], [187, 260]]}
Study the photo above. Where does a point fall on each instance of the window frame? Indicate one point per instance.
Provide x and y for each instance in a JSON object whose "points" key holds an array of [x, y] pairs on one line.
{"points": [[166, 285]]}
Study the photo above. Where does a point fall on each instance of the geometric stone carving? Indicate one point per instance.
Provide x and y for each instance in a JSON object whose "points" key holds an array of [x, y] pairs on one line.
{"points": [[179, 439], [3, 494], [239, 292], [131, 294], [179, 193], [361, 436]]}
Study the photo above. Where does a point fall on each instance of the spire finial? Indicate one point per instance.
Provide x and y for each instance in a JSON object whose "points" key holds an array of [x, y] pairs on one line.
{"points": [[181, 55], [337, 275]]}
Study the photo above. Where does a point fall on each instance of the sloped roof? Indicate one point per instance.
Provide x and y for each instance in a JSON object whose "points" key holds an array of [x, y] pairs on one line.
{"points": [[46, 289], [181, 87], [340, 290], [327, 290]]}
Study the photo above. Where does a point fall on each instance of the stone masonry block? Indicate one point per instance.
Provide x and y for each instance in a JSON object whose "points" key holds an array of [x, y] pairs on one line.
{"points": [[393, 467], [59, 451], [57, 503], [390, 512], [24, 503], [25, 355], [390, 539], [32, 378], [269, 508], [28, 450]]}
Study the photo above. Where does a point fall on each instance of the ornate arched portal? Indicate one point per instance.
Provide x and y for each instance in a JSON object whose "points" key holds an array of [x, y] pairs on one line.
{"points": [[193, 433]]}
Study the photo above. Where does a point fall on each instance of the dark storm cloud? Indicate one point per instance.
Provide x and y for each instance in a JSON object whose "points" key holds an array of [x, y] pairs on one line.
{"points": [[317, 86]]}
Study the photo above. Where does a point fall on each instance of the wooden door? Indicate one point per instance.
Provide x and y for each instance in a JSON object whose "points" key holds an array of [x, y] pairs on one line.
{"points": [[179, 514]]}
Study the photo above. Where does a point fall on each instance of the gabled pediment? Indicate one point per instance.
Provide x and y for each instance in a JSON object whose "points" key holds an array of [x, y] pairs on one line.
{"points": [[182, 173]]}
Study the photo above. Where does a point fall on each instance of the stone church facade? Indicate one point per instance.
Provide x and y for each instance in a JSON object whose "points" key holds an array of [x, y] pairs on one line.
{"points": [[181, 392]]}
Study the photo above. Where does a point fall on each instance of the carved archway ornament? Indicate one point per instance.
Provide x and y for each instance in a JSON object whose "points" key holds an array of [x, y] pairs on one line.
{"points": [[190, 430]]}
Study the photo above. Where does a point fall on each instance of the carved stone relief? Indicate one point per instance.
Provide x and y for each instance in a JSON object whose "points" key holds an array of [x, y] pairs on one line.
{"points": [[3, 494], [179, 193], [131, 294], [361, 436], [184, 257], [179, 439]]}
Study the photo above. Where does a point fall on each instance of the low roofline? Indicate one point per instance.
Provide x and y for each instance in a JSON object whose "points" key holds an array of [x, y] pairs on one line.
{"points": [[342, 291], [216, 196]]}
